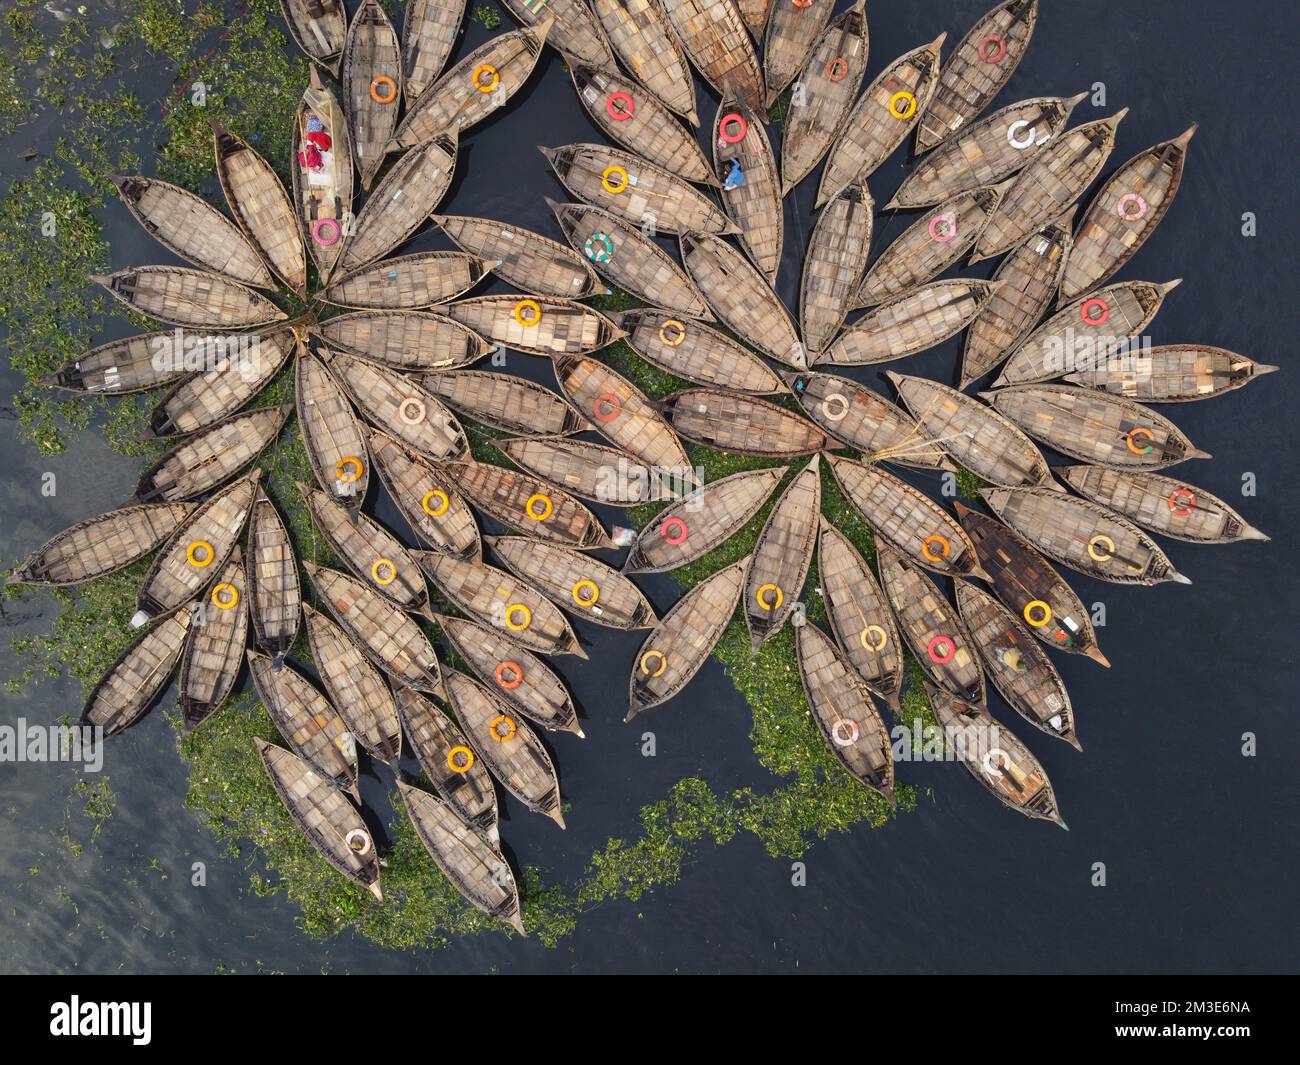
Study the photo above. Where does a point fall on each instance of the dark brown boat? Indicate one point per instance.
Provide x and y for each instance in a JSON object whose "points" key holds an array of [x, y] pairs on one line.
{"points": [[372, 86], [782, 555], [639, 35], [741, 144], [103, 544], [134, 364], [212, 456], [132, 684], [834, 265], [320, 27], [504, 401], [214, 649], [426, 497], [788, 39], [597, 472], [194, 299], [332, 434], [274, 591], [322, 176], [409, 282], [743, 425], [429, 32], [529, 261], [696, 352], [575, 34], [754, 13], [403, 340], [910, 323], [541, 325], [1174, 373], [713, 35]]}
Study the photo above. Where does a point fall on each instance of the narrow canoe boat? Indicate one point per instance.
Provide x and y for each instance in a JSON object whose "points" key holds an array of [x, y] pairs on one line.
{"points": [[355, 687], [865, 420], [792, 31], [754, 14], [741, 147], [1082, 535], [782, 555], [575, 33], [195, 299], [495, 598], [1123, 214], [907, 519], [932, 629], [320, 27], [859, 615], [321, 164], [1095, 427], [134, 364], [697, 353], [522, 679], [674, 652], [974, 434], [712, 33], [996, 758], [641, 38], [194, 230], [636, 190], [100, 545], [409, 282], [1095, 331], [506, 402], [332, 434], [741, 297], [593, 471], [1030, 276], [429, 32], [1016, 665], [1026, 583], [882, 118], [979, 66], [372, 86], [844, 713], [529, 261], [196, 552], [631, 261], [743, 425], [577, 583], [274, 592], [1162, 504], [1174, 373], [830, 81], [390, 638], [137, 678], [426, 497], [1049, 184], [324, 815], [910, 323], [834, 265], [214, 649], [542, 325], [260, 205], [403, 340], [212, 456]]}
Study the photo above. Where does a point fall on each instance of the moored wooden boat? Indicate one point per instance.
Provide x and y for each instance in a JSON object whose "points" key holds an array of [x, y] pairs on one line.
{"points": [[103, 544], [372, 86], [754, 14], [214, 649], [541, 325], [529, 261], [743, 425], [696, 352], [429, 31], [321, 165], [713, 35], [638, 34], [195, 299], [320, 27], [403, 340], [791, 32], [132, 684], [597, 472], [909, 323], [332, 434], [274, 591], [504, 401], [834, 264], [1173, 373], [211, 456], [753, 201], [426, 497], [575, 33], [133, 364], [409, 282], [782, 555]]}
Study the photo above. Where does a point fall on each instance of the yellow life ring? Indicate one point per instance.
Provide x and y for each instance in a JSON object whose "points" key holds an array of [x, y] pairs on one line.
{"points": [[192, 554], [878, 633], [443, 506], [586, 593], [611, 172], [535, 312], [518, 626], [944, 545], [375, 83], [349, 461], [760, 596], [1096, 542], [225, 596], [548, 508], [389, 566], [463, 766], [650, 655], [495, 728], [677, 337], [909, 108], [494, 79], [1043, 611]]}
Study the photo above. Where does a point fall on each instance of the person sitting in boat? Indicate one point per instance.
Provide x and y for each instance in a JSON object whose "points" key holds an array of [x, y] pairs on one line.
{"points": [[310, 158], [735, 176], [317, 143]]}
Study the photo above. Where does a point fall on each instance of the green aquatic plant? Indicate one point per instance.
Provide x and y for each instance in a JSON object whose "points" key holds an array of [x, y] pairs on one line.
{"points": [[486, 16]]}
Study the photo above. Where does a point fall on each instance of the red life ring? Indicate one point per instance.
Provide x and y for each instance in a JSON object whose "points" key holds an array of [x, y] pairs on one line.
{"points": [[1084, 311], [1182, 509], [335, 232], [935, 656], [678, 537], [620, 114], [1001, 54], [606, 401], [837, 69], [736, 118]]}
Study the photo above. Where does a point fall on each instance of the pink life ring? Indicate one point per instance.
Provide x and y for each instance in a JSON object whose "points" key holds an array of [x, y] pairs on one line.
{"points": [[943, 236], [995, 57], [1136, 202], [675, 538], [620, 114], [938, 641], [330, 224], [1085, 311]]}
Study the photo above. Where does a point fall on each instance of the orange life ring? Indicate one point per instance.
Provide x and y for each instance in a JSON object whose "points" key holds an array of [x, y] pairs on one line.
{"points": [[944, 548], [837, 68], [606, 401], [1138, 431], [375, 83], [1182, 509], [346, 462], [802, 4], [493, 80], [505, 669]]}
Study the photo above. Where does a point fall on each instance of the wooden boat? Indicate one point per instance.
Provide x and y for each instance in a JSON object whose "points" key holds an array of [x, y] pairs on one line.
{"points": [[996, 758], [1162, 504], [323, 194], [274, 592], [741, 144], [1082, 535], [640, 37], [426, 497], [211, 457], [332, 434], [1095, 427], [1030, 276], [978, 68], [529, 261], [635, 190], [103, 544], [214, 649], [910, 323], [575, 33], [788, 39], [696, 352], [191, 557], [859, 615], [834, 264], [754, 14], [907, 519], [429, 32], [1026, 582], [355, 687], [194, 299], [630, 261], [681, 643], [194, 230], [929, 625], [1017, 666], [506, 402], [743, 425], [865, 420], [392, 400], [409, 282], [593, 471], [882, 118], [974, 434], [830, 79], [1092, 332], [782, 554], [542, 325], [320, 28], [134, 364], [372, 86], [698, 523], [390, 638], [712, 33], [403, 340], [843, 712], [260, 205], [1173, 373], [1048, 185], [133, 683], [741, 298], [324, 815], [522, 679], [577, 583], [495, 598]]}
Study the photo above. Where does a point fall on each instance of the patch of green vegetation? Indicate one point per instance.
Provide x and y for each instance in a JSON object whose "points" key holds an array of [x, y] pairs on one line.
{"points": [[486, 16]]}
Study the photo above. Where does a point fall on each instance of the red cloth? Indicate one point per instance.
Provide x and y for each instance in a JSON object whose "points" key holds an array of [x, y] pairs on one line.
{"points": [[311, 158], [321, 139]]}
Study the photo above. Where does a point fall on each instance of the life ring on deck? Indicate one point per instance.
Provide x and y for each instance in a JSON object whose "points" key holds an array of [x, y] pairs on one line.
{"points": [[388, 566], [844, 732], [412, 410], [674, 538], [650, 656], [620, 114], [1085, 311], [944, 548], [493, 78], [585, 593], [909, 105], [1039, 608], [200, 546], [1098, 542], [443, 506], [1132, 199], [1018, 142], [607, 407], [358, 841], [500, 723], [802, 4], [736, 119], [335, 232], [506, 670], [349, 462], [460, 759], [984, 50], [599, 247], [760, 597], [1132, 446], [841, 404], [225, 595], [548, 508], [375, 84], [837, 68], [880, 635], [676, 338], [1182, 509], [943, 227], [932, 649], [511, 611], [534, 310], [614, 172]]}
